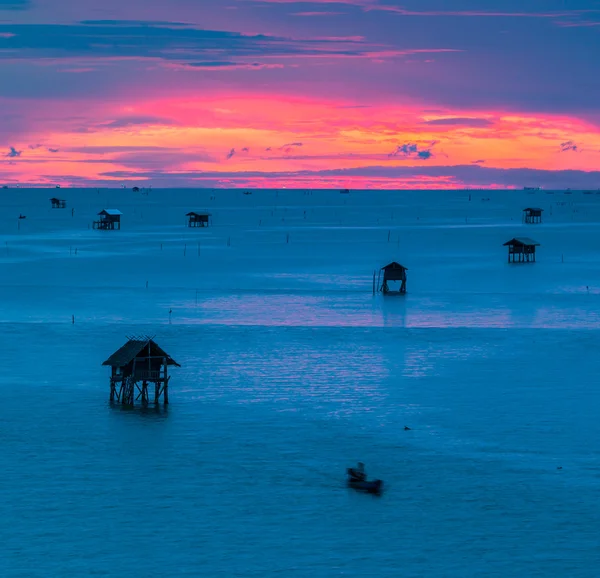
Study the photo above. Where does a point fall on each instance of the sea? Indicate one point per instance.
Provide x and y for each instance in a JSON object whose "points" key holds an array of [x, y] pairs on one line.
{"points": [[475, 397]]}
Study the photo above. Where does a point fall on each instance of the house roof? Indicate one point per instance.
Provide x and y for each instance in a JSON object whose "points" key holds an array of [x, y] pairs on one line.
{"points": [[534, 209], [393, 265], [197, 214], [54, 199], [133, 348], [110, 212], [522, 241]]}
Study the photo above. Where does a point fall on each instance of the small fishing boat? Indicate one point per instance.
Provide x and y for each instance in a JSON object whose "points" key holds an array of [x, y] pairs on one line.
{"points": [[372, 487], [357, 480]]}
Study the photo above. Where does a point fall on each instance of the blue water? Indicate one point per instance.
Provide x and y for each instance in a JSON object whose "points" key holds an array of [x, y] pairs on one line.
{"points": [[292, 371]]}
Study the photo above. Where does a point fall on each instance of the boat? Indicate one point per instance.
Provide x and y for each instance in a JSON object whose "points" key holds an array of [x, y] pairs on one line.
{"points": [[532, 188], [345, 191], [372, 487], [357, 480]]}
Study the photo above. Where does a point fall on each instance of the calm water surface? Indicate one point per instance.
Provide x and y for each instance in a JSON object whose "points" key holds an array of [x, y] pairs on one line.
{"points": [[291, 371]]}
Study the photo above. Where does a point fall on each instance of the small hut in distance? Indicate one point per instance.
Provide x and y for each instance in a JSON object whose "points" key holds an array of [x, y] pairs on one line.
{"points": [[394, 272], [521, 250], [533, 215], [110, 219], [198, 219], [58, 203], [139, 362]]}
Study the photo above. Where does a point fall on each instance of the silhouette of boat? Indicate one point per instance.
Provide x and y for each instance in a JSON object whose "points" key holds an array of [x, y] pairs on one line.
{"points": [[357, 480], [370, 487]]}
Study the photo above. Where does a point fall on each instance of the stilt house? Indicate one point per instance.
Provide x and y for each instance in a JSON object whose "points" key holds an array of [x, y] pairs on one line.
{"points": [[58, 203], [394, 272], [110, 219], [137, 364], [532, 215], [521, 250], [198, 219]]}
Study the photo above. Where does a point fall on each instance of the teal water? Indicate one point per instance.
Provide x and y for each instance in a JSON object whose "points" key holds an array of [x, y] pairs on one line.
{"points": [[292, 371]]}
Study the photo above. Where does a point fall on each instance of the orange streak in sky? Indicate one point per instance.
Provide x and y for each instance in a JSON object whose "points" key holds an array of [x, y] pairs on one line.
{"points": [[284, 134]]}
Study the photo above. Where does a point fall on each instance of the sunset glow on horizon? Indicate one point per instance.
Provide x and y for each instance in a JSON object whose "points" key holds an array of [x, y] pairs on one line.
{"points": [[248, 93]]}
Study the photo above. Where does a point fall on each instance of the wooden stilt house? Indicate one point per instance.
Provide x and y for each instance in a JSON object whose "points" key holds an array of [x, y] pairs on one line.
{"points": [[58, 203], [521, 250], [532, 216], [396, 273], [137, 364], [198, 219], [110, 220]]}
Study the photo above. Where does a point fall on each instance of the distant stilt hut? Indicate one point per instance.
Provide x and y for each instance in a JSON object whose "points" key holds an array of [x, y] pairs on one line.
{"points": [[136, 189], [521, 250], [137, 364], [58, 203], [394, 272], [110, 219], [533, 216], [198, 219]]}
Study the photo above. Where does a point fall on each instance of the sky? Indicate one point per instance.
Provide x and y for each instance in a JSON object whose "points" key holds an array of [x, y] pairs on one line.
{"points": [[278, 93]]}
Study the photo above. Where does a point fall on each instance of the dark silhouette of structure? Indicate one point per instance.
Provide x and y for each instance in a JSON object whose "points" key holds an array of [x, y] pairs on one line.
{"points": [[110, 220], [521, 250], [394, 272], [533, 216], [58, 203], [136, 189], [198, 219], [139, 362]]}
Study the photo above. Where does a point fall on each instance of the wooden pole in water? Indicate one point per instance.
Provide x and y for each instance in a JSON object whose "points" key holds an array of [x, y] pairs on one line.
{"points": [[166, 386], [374, 282]]}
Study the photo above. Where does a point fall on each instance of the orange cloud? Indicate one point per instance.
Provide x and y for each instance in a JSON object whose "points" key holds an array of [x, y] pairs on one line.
{"points": [[193, 135]]}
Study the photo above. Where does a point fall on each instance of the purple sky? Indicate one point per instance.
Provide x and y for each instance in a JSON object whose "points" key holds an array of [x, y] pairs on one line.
{"points": [[367, 92]]}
